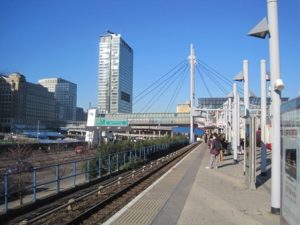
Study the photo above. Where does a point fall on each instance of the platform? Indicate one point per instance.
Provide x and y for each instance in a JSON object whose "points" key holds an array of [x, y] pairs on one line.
{"points": [[191, 194]]}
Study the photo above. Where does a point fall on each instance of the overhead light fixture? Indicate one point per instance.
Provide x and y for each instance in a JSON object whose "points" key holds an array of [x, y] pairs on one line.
{"points": [[279, 85], [239, 77], [260, 30]]}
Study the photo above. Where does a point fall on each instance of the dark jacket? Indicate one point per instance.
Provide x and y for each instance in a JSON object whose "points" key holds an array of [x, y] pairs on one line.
{"points": [[213, 146]]}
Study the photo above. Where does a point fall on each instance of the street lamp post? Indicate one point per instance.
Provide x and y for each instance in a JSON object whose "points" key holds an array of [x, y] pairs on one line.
{"points": [[276, 98], [225, 106], [247, 105], [244, 76], [235, 123], [192, 59], [230, 121], [261, 30], [263, 117]]}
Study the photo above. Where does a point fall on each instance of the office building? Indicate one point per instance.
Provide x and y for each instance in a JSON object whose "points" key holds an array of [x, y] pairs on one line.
{"points": [[23, 105], [81, 115], [115, 78], [65, 93], [183, 107]]}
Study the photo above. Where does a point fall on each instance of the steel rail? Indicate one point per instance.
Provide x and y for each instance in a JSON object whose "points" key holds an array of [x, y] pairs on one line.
{"points": [[86, 214]]}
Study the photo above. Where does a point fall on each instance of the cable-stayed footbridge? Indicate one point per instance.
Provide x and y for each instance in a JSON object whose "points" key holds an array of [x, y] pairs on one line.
{"points": [[170, 85]]}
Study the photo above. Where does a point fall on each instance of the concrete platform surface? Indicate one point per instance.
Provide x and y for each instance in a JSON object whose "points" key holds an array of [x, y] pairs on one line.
{"points": [[191, 194]]}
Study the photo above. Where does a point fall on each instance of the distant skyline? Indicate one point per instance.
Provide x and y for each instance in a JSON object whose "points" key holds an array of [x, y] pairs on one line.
{"points": [[43, 39]]}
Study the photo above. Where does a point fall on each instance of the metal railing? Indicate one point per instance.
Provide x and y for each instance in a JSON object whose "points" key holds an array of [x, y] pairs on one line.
{"points": [[26, 187]]}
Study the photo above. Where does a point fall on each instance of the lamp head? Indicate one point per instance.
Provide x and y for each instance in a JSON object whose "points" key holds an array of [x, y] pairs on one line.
{"points": [[239, 77], [279, 85], [260, 30]]}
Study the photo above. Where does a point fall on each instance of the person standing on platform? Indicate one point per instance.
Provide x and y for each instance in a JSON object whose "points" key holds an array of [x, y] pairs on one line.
{"points": [[221, 151], [215, 149], [209, 140], [205, 138]]}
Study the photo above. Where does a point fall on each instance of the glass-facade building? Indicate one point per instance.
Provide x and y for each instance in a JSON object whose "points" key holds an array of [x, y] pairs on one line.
{"points": [[65, 93], [115, 79]]}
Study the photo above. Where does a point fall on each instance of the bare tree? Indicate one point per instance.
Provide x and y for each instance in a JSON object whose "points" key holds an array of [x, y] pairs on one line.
{"points": [[19, 172]]}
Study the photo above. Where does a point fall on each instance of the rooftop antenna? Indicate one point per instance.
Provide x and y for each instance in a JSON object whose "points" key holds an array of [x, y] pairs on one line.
{"points": [[110, 32]]}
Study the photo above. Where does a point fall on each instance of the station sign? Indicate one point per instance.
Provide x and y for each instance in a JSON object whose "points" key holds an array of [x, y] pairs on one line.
{"points": [[111, 123]]}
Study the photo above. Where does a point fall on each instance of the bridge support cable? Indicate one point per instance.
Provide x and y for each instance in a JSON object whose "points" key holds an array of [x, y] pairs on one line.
{"points": [[166, 85], [161, 91], [219, 76], [222, 77], [156, 83], [177, 90], [203, 81], [214, 81]]}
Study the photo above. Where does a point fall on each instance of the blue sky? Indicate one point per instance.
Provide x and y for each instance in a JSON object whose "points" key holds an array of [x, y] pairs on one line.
{"points": [[59, 38]]}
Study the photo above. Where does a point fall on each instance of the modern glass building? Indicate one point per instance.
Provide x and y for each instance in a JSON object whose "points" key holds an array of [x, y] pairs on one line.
{"points": [[115, 79], [65, 93]]}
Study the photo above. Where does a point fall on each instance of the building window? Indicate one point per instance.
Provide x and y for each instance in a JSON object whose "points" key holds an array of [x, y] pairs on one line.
{"points": [[125, 96]]}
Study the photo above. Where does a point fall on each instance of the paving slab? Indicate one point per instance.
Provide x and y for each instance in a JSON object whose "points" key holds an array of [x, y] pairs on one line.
{"points": [[191, 194]]}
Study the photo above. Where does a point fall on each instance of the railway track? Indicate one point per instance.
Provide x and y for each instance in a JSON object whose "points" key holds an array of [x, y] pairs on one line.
{"points": [[47, 159], [97, 203]]}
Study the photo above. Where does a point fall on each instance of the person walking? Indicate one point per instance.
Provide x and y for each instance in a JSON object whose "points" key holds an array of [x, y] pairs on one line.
{"points": [[221, 151], [215, 148], [205, 138]]}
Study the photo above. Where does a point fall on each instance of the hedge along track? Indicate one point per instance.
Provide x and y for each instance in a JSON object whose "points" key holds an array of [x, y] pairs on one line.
{"points": [[99, 204]]}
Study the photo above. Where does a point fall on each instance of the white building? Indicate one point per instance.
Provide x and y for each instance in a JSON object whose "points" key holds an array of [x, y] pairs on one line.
{"points": [[115, 79], [65, 93]]}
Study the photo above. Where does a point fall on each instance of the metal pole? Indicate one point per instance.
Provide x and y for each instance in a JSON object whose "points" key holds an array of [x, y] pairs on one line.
{"points": [[230, 121], [238, 136], [192, 93], [88, 170], [276, 99], [34, 184], [234, 124], [246, 82], [108, 165], [246, 102], [263, 106], [217, 118], [253, 154], [226, 119], [99, 166], [117, 163], [57, 178], [74, 173]]}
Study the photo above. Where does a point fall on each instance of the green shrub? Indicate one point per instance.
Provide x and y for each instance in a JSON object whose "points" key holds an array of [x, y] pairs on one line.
{"points": [[122, 146]]}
